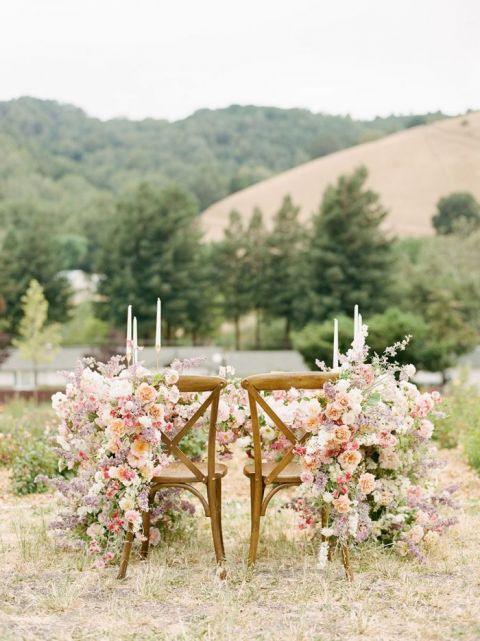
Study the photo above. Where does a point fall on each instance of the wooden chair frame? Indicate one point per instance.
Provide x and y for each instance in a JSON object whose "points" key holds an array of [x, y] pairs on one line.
{"points": [[261, 479], [212, 479]]}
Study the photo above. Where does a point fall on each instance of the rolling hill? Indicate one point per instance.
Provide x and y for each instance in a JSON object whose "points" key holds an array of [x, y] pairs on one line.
{"points": [[410, 170]]}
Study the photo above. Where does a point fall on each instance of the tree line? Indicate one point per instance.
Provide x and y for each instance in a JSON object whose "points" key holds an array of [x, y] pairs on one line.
{"points": [[288, 280]]}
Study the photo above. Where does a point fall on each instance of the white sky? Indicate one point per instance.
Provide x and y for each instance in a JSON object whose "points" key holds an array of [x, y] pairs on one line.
{"points": [[167, 58]]}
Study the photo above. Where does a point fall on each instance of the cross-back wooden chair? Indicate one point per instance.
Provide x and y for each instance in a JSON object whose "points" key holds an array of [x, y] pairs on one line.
{"points": [[184, 472], [285, 472]]}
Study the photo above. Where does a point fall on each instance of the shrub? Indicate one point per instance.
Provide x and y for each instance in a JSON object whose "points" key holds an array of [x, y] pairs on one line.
{"points": [[461, 424], [36, 458]]}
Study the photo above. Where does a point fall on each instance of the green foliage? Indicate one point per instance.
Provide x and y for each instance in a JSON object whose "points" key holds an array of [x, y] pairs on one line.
{"points": [[351, 260], [315, 340], [154, 250], [25, 445], [59, 157], [392, 326], [35, 458], [457, 212], [84, 328], [286, 284], [461, 423], [29, 250], [37, 341]]}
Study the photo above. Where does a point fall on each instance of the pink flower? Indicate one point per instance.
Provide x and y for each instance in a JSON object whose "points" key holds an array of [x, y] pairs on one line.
{"points": [[425, 430], [349, 460], [306, 477], [154, 537], [366, 483]]}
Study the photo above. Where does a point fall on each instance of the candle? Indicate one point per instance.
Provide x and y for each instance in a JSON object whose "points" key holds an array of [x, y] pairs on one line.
{"points": [[355, 323], [129, 334], [335, 344], [135, 341], [360, 335], [158, 334]]}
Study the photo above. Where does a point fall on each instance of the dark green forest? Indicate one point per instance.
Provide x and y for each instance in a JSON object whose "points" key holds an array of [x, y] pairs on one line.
{"points": [[121, 199], [64, 160]]}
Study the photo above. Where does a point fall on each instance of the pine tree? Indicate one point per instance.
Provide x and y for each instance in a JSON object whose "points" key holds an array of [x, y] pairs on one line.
{"points": [[286, 284], [230, 266], [152, 251], [36, 340], [255, 269], [30, 250], [349, 255]]}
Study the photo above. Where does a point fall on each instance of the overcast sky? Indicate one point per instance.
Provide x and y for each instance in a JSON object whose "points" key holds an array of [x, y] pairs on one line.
{"points": [[167, 58]]}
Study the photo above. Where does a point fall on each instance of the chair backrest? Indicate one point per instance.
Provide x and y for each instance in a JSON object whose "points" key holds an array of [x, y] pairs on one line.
{"points": [[277, 382], [214, 385]]}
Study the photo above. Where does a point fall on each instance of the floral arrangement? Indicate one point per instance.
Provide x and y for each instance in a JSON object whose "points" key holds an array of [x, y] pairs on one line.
{"points": [[369, 455], [367, 460], [111, 420]]}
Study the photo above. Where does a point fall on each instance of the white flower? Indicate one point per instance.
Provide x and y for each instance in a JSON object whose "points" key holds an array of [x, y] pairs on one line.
{"points": [[57, 400], [268, 433], [327, 531], [327, 497], [171, 376], [145, 421], [244, 441], [120, 388], [223, 411]]}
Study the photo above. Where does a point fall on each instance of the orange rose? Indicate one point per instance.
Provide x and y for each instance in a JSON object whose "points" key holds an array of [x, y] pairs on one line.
{"points": [[117, 427], [350, 459], [342, 434], [140, 447], [333, 412], [156, 411], [366, 483], [342, 504], [146, 393]]}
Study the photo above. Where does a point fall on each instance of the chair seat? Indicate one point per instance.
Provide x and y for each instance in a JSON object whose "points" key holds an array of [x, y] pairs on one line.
{"points": [[289, 474], [178, 472]]}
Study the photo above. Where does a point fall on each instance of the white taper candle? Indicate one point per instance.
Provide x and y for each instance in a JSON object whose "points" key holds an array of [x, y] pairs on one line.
{"points": [[335, 344], [129, 334], [135, 341], [158, 333]]}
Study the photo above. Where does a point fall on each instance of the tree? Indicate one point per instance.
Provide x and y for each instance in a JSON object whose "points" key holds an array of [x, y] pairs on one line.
{"points": [[30, 250], [255, 268], [350, 257], [37, 341], [456, 211], [230, 266], [285, 272], [152, 251]]}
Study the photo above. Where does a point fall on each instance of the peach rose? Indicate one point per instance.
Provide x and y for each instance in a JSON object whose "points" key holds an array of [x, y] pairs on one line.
{"points": [[117, 427], [140, 447], [342, 504], [342, 434], [350, 459], [333, 411], [366, 483], [146, 393], [156, 412]]}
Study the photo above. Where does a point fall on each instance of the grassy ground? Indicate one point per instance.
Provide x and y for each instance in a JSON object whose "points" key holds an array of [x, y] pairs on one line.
{"points": [[50, 595]]}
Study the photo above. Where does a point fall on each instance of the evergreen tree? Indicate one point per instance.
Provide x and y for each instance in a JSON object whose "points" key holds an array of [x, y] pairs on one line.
{"points": [[350, 257], [286, 285], [230, 266], [37, 341], [30, 250], [152, 251], [255, 269]]}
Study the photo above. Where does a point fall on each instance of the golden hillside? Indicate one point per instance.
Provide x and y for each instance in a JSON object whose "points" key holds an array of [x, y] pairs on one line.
{"points": [[410, 170]]}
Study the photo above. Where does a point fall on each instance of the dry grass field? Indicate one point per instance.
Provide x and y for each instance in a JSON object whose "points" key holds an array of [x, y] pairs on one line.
{"points": [[50, 595], [410, 170]]}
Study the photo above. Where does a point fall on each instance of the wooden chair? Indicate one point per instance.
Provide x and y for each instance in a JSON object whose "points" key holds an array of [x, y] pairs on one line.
{"points": [[285, 472], [184, 472]]}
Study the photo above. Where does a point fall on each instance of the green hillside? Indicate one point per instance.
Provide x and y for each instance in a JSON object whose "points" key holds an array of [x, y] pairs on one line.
{"points": [[62, 160]]}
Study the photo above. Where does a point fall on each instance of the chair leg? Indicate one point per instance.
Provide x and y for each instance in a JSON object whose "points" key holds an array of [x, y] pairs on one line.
{"points": [[214, 522], [146, 533], [257, 489], [127, 547], [218, 499], [346, 562]]}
